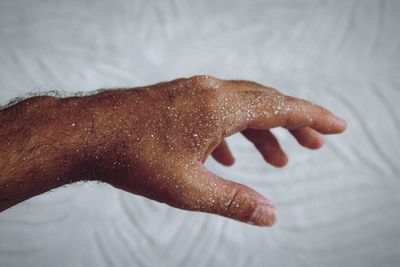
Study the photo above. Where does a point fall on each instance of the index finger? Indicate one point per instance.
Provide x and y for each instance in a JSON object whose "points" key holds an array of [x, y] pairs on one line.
{"points": [[293, 113], [260, 107]]}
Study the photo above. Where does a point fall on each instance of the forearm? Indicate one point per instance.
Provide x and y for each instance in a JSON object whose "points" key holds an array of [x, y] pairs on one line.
{"points": [[36, 152]]}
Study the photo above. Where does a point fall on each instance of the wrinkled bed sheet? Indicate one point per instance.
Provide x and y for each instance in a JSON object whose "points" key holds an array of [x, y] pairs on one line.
{"points": [[338, 206]]}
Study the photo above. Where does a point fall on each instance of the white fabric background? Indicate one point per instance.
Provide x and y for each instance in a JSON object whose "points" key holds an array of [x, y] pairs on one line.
{"points": [[338, 206]]}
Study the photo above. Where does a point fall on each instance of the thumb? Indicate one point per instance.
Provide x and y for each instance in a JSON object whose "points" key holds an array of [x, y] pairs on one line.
{"points": [[210, 193]]}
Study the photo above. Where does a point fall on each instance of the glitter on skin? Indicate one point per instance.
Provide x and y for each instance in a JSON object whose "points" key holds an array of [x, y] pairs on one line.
{"points": [[153, 140], [186, 120]]}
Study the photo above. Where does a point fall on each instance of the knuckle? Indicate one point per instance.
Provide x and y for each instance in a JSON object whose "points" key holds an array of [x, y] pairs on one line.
{"points": [[241, 204], [205, 81], [291, 104], [298, 102]]}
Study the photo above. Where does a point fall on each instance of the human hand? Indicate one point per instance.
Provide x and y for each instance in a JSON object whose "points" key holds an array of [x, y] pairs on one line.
{"points": [[153, 141]]}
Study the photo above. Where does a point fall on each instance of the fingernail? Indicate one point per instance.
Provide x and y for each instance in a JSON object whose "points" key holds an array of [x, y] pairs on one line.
{"points": [[341, 121], [283, 160], [263, 215]]}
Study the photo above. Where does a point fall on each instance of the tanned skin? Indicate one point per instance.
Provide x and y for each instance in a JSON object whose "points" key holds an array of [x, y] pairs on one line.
{"points": [[153, 141]]}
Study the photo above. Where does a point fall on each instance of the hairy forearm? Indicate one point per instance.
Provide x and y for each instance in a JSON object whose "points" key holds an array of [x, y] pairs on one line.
{"points": [[36, 152], [47, 142]]}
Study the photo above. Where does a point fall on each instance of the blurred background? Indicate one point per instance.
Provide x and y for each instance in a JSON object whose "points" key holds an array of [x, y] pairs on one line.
{"points": [[338, 206]]}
